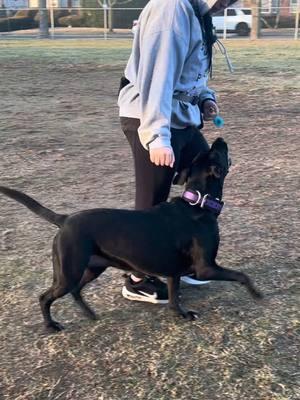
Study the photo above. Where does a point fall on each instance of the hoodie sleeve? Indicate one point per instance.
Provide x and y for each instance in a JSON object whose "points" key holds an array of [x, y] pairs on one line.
{"points": [[207, 94], [161, 63]]}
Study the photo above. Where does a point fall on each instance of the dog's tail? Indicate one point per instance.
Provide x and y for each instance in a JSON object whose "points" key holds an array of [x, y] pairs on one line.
{"points": [[34, 206]]}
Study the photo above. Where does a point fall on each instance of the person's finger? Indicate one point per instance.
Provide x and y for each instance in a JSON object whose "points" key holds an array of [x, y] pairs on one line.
{"points": [[162, 159], [216, 108], [165, 158], [157, 159], [210, 107], [152, 157], [168, 159], [172, 160]]}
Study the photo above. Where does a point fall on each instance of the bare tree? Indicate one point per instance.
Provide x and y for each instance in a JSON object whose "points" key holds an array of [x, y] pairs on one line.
{"points": [[278, 14], [269, 24]]}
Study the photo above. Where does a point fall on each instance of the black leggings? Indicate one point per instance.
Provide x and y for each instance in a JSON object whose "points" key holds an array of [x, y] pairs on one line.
{"points": [[153, 183]]}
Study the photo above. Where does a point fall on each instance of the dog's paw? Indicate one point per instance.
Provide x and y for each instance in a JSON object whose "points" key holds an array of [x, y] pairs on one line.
{"points": [[92, 315], [190, 315], [256, 294], [55, 327], [181, 312], [259, 296]]}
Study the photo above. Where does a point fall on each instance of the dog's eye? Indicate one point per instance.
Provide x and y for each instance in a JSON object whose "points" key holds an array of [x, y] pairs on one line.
{"points": [[219, 170], [215, 171]]}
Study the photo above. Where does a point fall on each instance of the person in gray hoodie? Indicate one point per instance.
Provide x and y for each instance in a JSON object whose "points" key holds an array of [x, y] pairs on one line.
{"points": [[163, 100]]}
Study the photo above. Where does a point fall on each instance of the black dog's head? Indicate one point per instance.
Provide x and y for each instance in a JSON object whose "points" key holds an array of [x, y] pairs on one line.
{"points": [[207, 171]]}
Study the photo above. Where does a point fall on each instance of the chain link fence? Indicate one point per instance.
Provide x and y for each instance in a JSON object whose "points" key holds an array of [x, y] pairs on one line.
{"points": [[117, 23]]}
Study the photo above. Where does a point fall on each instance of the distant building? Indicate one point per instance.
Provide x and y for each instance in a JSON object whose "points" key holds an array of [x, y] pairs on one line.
{"points": [[269, 7]]}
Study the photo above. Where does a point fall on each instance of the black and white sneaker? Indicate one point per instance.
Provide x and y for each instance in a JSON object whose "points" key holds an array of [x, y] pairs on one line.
{"points": [[150, 290], [192, 280]]}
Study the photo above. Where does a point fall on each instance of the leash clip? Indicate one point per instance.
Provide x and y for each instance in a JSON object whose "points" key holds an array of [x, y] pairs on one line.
{"points": [[213, 204], [198, 200], [203, 201]]}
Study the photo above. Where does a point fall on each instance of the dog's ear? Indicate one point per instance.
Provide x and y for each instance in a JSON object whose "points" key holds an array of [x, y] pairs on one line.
{"points": [[181, 177], [215, 171], [219, 143]]}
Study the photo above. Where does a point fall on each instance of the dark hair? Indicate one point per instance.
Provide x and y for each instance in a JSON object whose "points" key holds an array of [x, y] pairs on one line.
{"points": [[207, 28], [209, 35]]}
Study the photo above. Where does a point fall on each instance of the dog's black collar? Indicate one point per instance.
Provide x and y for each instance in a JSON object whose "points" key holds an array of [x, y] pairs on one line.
{"points": [[206, 201]]}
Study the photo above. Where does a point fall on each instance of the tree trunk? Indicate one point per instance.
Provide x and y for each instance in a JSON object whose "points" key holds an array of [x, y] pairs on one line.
{"points": [[256, 9], [110, 20], [277, 19], [44, 30]]}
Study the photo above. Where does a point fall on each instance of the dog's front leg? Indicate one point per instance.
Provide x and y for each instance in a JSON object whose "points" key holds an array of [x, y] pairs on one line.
{"points": [[174, 305]]}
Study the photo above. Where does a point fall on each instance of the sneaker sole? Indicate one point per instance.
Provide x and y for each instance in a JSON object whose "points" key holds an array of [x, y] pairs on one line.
{"points": [[136, 297], [191, 281]]}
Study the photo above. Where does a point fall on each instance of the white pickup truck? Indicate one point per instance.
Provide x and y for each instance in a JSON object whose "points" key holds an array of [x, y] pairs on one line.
{"points": [[238, 20]]}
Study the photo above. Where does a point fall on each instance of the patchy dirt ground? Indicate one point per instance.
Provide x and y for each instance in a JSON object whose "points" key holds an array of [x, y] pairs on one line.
{"points": [[61, 143]]}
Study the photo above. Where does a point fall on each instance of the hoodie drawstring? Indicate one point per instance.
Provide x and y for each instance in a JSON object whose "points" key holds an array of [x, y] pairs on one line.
{"points": [[223, 51]]}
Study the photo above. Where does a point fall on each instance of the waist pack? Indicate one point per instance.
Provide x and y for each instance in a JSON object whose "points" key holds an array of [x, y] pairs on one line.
{"points": [[123, 82]]}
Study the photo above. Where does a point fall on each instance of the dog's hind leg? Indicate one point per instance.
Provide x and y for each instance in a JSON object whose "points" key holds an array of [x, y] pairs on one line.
{"points": [[68, 267], [46, 299], [89, 275]]}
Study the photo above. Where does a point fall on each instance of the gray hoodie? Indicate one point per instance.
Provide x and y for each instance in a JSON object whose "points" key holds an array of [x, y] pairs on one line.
{"points": [[168, 57]]}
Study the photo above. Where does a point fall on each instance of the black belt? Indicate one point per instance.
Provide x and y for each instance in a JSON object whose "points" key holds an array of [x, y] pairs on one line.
{"points": [[194, 100]]}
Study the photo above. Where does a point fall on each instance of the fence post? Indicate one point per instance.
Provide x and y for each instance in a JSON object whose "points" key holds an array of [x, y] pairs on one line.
{"points": [[110, 19], [255, 8], [43, 28], [105, 7], [52, 18], [297, 20], [225, 24]]}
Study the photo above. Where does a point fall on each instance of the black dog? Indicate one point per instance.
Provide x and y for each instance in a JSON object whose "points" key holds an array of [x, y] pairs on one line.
{"points": [[170, 240]]}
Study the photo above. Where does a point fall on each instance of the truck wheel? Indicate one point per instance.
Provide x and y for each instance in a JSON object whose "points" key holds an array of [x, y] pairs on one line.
{"points": [[242, 29]]}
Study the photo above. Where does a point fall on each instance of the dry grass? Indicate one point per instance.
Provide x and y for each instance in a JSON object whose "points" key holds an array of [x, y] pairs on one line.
{"points": [[61, 142]]}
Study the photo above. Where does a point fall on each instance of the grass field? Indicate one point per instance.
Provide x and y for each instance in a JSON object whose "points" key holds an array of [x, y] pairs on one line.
{"points": [[61, 142]]}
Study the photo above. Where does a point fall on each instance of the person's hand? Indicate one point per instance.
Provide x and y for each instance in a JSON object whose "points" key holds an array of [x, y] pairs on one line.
{"points": [[210, 110], [162, 156]]}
